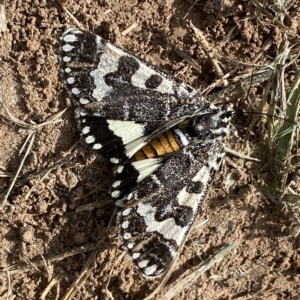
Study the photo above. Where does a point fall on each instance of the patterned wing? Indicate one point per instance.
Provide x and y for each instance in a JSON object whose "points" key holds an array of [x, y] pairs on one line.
{"points": [[121, 99], [159, 211]]}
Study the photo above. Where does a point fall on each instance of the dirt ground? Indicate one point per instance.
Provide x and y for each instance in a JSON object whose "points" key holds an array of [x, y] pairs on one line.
{"points": [[59, 238]]}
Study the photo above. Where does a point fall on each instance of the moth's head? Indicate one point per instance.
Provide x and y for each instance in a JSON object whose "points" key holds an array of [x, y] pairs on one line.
{"points": [[213, 121]]}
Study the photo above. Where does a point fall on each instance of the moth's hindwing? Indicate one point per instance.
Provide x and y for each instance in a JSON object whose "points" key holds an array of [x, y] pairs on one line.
{"points": [[159, 212], [167, 141]]}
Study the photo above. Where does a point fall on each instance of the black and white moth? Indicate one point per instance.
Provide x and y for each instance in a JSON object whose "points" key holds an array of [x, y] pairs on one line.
{"points": [[124, 104]]}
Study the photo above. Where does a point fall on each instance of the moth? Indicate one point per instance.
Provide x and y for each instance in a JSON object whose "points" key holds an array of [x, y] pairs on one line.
{"points": [[166, 141]]}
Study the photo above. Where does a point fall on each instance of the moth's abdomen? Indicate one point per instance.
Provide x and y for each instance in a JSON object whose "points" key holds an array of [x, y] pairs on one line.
{"points": [[167, 143]]}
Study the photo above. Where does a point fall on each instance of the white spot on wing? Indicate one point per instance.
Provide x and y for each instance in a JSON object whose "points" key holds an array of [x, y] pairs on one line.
{"points": [[90, 139], [155, 179], [115, 194], [127, 236], [120, 169], [71, 80], [75, 91], [116, 183], [83, 101], [130, 245], [114, 160], [82, 112], [70, 38], [97, 146], [129, 196], [125, 224], [142, 264], [86, 129], [68, 70], [66, 58], [136, 255], [126, 212], [150, 270], [67, 48]]}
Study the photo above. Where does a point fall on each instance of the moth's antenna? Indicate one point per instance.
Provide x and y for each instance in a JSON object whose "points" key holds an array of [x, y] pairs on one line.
{"points": [[269, 115], [248, 92]]}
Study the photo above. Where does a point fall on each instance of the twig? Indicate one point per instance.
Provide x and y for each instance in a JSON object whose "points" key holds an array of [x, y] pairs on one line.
{"points": [[130, 28], [40, 173], [189, 60], [208, 51], [76, 22], [51, 284], [35, 264], [87, 269], [31, 138], [3, 25], [271, 17], [190, 279], [190, 9]]}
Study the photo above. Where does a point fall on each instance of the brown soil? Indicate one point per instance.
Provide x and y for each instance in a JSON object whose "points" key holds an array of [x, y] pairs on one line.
{"points": [[52, 223]]}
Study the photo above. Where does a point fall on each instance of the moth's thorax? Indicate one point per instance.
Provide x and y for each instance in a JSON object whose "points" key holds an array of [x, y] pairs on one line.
{"points": [[214, 122]]}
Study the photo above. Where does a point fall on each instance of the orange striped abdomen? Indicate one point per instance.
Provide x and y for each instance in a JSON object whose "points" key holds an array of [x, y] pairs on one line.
{"points": [[164, 144]]}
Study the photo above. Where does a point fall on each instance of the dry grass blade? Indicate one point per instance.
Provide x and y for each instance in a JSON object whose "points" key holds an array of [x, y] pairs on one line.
{"points": [[76, 22], [267, 44], [189, 60], [85, 273], [9, 291], [36, 264], [278, 105], [7, 193], [13, 118], [129, 29], [208, 51], [39, 173], [240, 155], [52, 283], [117, 262], [6, 174], [271, 16], [88, 267], [191, 7], [190, 279], [235, 91], [31, 129], [3, 25], [286, 132], [53, 120]]}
